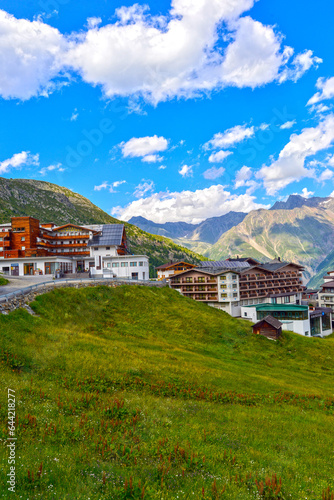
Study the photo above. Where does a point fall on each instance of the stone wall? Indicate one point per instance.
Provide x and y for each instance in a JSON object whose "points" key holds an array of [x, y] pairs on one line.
{"points": [[23, 300]]}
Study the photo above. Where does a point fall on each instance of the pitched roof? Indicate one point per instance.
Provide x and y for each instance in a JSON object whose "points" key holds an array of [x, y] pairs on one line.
{"points": [[271, 321], [172, 264], [112, 235], [329, 284]]}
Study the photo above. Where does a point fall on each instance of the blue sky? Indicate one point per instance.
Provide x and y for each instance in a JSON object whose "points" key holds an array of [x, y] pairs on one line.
{"points": [[177, 110]]}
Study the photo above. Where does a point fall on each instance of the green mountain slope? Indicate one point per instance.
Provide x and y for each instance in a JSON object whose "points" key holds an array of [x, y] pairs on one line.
{"points": [[304, 235], [134, 392], [51, 203]]}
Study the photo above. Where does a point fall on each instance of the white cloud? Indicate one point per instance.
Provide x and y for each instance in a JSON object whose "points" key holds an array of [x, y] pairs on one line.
{"points": [[152, 158], [305, 193], [290, 165], [110, 186], [213, 173], [219, 156], [230, 137], [288, 125], [244, 174], [52, 168], [19, 160], [30, 57], [181, 54], [326, 175], [143, 188], [326, 90], [74, 116], [143, 146], [300, 64], [243, 178], [93, 22], [188, 206], [186, 171], [162, 167]]}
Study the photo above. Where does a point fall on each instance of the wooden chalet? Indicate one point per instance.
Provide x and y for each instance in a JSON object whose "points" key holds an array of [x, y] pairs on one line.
{"points": [[268, 327]]}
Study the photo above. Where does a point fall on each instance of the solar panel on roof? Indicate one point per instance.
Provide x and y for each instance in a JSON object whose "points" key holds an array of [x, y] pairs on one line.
{"points": [[111, 235]]}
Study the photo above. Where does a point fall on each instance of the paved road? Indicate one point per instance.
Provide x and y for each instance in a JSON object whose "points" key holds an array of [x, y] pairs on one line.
{"points": [[16, 283]]}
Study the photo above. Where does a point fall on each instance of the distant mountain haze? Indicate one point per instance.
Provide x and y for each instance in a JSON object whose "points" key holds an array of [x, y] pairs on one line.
{"points": [[208, 231]]}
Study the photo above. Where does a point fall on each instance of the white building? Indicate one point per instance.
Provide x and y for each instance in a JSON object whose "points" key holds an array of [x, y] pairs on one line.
{"points": [[295, 318]]}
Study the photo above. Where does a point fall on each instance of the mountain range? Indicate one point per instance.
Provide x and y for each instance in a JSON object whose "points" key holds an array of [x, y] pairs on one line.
{"points": [[298, 229], [52, 203]]}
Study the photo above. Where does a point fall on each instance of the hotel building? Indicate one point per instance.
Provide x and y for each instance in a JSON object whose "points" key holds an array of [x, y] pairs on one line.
{"points": [[30, 248]]}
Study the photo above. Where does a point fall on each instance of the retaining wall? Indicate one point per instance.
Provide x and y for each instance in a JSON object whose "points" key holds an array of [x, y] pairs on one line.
{"points": [[23, 297]]}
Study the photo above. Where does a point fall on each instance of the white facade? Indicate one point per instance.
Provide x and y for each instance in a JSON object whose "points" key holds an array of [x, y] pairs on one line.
{"points": [[37, 265], [134, 267]]}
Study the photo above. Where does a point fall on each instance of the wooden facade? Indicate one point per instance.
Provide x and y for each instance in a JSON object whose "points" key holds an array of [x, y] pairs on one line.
{"points": [[268, 327], [26, 237], [173, 268], [260, 282]]}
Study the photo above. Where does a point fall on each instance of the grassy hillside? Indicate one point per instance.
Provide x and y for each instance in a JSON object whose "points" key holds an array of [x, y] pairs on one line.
{"points": [[182, 402], [51, 203]]}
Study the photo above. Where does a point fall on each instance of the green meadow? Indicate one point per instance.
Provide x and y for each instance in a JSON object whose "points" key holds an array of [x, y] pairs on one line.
{"points": [[139, 393], [3, 281]]}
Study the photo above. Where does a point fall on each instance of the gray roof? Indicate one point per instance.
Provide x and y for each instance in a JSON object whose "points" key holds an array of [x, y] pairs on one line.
{"points": [[271, 321], [224, 264], [111, 235]]}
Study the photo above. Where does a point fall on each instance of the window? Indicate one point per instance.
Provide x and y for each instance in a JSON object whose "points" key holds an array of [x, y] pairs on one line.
{"points": [[223, 286], [133, 264], [234, 276], [1, 239], [245, 314], [224, 295], [23, 248], [124, 264], [223, 278], [1, 249], [235, 295], [23, 238], [286, 300], [107, 248], [189, 280], [96, 248], [201, 279], [234, 286], [115, 264], [141, 264]]}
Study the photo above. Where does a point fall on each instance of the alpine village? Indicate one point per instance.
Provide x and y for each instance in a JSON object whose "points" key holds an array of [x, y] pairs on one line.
{"points": [[166, 250]]}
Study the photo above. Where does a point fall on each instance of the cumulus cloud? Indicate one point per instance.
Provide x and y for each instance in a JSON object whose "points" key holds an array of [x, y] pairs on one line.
{"points": [[305, 193], [52, 168], [188, 206], [19, 160], [219, 156], [243, 179], [181, 54], [143, 146], [230, 137], [290, 165], [186, 171], [30, 57], [213, 173], [326, 90], [110, 186]]}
